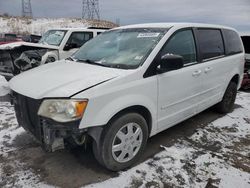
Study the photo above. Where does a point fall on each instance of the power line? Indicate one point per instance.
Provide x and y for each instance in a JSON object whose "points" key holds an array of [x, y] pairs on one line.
{"points": [[26, 8], [90, 9]]}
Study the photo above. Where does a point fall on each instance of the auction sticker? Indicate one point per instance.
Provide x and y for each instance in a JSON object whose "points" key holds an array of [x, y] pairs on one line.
{"points": [[148, 35]]}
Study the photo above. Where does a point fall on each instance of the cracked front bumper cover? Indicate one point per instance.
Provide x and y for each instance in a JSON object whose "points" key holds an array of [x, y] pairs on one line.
{"points": [[50, 134]]}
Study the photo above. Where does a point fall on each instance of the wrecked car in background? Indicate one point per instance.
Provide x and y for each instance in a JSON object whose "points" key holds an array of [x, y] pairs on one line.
{"points": [[31, 38], [9, 38], [246, 42], [54, 45]]}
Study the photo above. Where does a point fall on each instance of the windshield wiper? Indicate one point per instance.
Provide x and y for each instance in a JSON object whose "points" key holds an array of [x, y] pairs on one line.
{"points": [[91, 62], [118, 66], [71, 59], [123, 66], [43, 42]]}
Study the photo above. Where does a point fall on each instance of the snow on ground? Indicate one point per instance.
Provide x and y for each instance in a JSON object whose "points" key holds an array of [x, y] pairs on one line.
{"points": [[9, 130], [41, 25], [206, 158], [215, 156]]}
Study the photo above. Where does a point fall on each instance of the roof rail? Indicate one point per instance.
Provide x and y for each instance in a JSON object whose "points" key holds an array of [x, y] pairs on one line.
{"points": [[105, 28]]}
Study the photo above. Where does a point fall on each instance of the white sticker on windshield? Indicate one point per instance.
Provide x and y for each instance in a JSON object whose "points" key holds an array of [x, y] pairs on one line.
{"points": [[148, 35]]}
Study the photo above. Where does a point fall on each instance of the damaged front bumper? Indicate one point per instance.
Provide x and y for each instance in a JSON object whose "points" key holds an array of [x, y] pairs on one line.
{"points": [[54, 135], [50, 134]]}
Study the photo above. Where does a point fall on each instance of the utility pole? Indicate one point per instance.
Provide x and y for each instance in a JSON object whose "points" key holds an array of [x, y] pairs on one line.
{"points": [[26, 8], [117, 21], [90, 9]]}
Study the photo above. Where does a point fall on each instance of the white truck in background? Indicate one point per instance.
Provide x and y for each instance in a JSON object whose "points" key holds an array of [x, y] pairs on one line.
{"points": [[55, 44]]}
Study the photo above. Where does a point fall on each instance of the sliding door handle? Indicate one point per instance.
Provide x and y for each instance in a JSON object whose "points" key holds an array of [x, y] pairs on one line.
{"points": [[196, 73]]}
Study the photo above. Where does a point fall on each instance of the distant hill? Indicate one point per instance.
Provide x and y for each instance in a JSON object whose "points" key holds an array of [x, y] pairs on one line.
{"points": [[22, 25]]}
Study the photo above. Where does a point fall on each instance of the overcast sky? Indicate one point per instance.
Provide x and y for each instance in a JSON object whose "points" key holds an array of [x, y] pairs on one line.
{"points": [[234, 13]]}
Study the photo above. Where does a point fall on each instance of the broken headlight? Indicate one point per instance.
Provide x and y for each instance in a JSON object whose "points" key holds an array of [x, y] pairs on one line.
{"points": [[63, 110]]}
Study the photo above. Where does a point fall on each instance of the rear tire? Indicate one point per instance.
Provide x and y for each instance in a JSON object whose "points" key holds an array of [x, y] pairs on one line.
{"points": [[227, 103], [122, 142]]}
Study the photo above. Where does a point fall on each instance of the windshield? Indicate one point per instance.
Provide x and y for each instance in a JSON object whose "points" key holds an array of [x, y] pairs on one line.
{"points": [[53, 37], [124, 48]]}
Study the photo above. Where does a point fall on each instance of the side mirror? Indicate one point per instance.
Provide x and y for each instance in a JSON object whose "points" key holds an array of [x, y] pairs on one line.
{"points": [[70, 46], [170, 62]]}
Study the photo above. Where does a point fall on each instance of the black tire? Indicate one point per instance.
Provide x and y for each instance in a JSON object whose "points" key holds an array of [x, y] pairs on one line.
{"points": [[227, 103], [50, 60], [103, 149]]}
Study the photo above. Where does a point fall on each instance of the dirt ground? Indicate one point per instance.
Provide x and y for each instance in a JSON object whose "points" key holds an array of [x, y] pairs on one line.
{"points": [[77, 167]]}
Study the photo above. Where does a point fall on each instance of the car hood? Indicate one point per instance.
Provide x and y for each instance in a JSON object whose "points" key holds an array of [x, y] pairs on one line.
{"points": [[15, 45], [61, 79]]}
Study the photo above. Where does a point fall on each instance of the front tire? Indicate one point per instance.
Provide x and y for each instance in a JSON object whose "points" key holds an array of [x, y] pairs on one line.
{"points": [[227, 103], [122, 142]]}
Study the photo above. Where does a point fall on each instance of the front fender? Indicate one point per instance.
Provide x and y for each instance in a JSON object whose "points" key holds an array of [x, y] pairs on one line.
{"points": [[99, 112]]}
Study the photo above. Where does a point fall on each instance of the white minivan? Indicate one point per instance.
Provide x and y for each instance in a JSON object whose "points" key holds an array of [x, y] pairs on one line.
{"points": [[129, 84]]}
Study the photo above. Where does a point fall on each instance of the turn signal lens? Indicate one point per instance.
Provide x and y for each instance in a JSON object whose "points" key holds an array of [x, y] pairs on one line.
{"points": [[80, 107]]}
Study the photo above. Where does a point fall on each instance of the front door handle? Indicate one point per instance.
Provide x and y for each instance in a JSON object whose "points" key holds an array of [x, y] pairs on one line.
{"points": [[196, 73], [208, 69]]}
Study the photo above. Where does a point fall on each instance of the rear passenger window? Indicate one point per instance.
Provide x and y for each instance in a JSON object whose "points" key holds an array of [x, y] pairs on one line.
{"points": [[211, 43], [232, 42], [182, 43]]}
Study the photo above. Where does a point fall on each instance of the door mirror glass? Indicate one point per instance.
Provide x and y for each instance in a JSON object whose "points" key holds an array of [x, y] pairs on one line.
{"points": [[170, 62]]}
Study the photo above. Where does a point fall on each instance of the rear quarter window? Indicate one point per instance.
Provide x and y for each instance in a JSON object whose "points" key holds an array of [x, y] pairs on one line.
{"points": [[232, 42], [211, 43]]}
